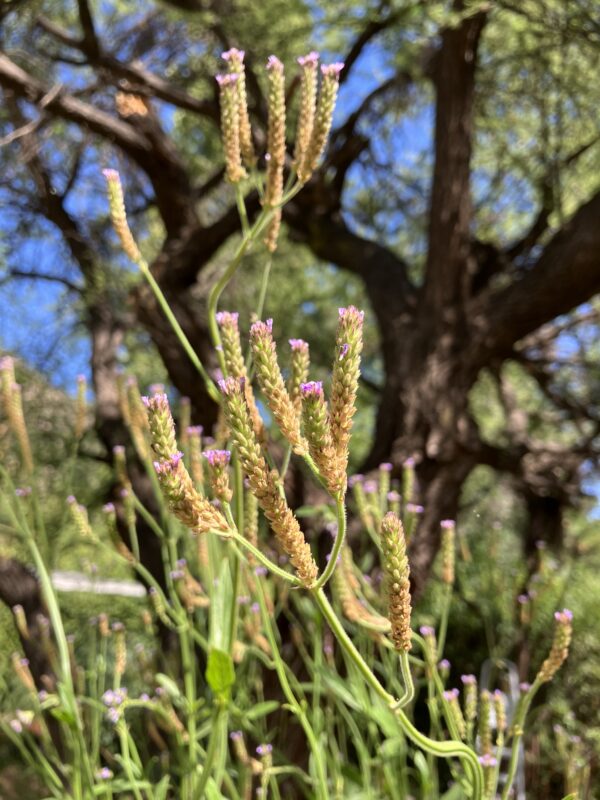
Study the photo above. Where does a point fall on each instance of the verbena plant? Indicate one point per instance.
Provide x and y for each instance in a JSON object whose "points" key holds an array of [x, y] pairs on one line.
{"points": [[328, 710]]}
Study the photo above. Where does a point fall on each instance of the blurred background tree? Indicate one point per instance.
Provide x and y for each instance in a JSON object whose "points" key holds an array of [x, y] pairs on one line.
{"points": [[458, 201]]}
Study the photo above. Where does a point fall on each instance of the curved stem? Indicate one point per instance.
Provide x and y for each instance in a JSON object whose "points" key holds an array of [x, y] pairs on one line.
{"points": [[447, 749], [264, 560], [337, 545], [517, 735]]}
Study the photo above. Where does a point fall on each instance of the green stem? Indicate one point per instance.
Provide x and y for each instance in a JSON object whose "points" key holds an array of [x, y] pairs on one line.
{"points": [[185, 342], [337, 545], [211, 752], [297, 709], [446, 749], [443, 626], [517, 735]]}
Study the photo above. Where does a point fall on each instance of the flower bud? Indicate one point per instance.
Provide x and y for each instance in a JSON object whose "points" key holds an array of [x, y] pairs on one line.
{"points": [[344, 383], [451, 697], [235, 63], [230, 126], [315, 418], [447, 548], [560, 645], [308, 105], [81, 407], [323, 119], [218, 464], [119, 217], [265, 483], [299, 370], [485, 728], [470, 696], [395, 565], [272, 384]]}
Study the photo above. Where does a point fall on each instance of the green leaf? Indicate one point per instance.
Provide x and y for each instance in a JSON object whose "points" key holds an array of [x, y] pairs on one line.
{"points": [[220, 672], [168, 684], [221, 599], [262, 709]]}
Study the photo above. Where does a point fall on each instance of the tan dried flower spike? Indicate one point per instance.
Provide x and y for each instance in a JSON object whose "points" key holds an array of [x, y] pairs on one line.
{"points": [[308, 105], [560, 645], [119, 217], [265, 483], [230, 126], [194, 511], [323, 119], [344, 383], [235, 62], [272, 384], [275, 157], [317, 429]]}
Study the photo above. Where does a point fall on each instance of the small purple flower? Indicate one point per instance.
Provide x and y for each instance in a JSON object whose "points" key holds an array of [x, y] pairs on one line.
{"points": [[255, 608], [225, 81], [260, 328], [522, 599], [230, 386], [312, 389], [274, 63], [409, 463], [233, 55], [235, 736], [450, 694], [351, 311], [487, 760], [243, 600], [344, 351], [260, 571], [42, 695], [113, 715], [177, 574], [118, 627], [332, 69], [104, 774], [444, 665], [108, 508], [448, 524], [168, 466], [524, 687], [309, 60], [393, 497], [16, 726], [264, 749], [426, 630], [386, 466], [468, 680], [23, 491], [563, 617], [370, 487], [194, 430], [413, 508], [227, 318], [298, 344], [144, 697], [217, 458], [354, 479]]}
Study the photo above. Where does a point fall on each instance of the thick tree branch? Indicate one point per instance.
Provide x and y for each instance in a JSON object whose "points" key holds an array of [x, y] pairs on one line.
{"points": [[449, 259], [566, 275], [139, 79]]}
